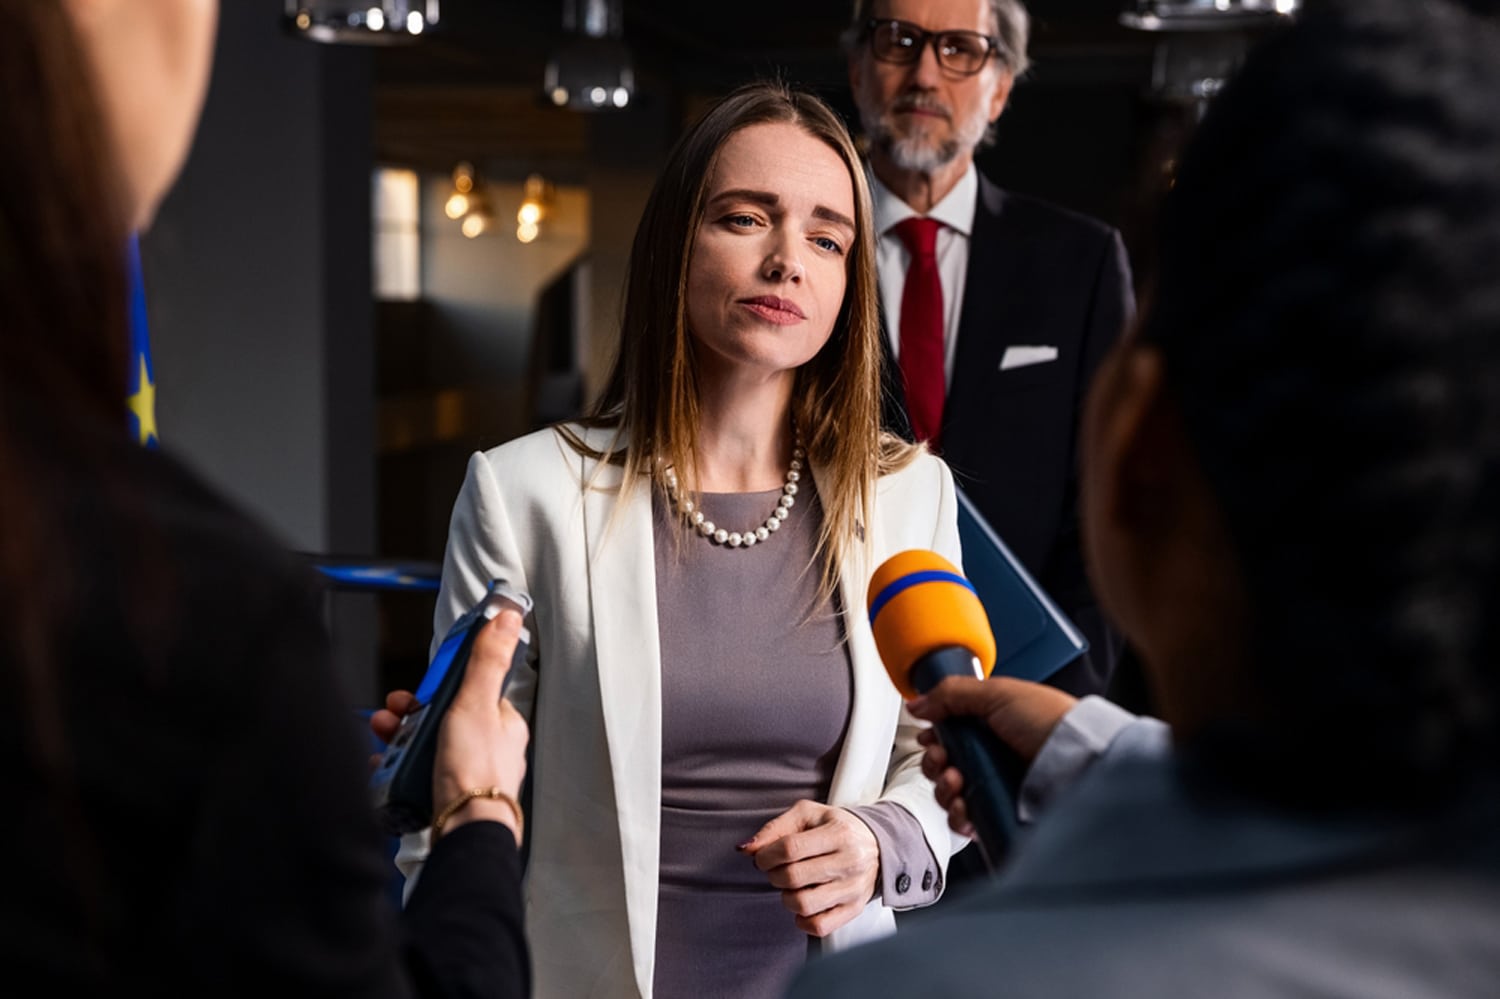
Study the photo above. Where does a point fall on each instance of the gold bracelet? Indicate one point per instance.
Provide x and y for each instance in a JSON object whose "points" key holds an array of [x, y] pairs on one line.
{"points": [[494, 794]]}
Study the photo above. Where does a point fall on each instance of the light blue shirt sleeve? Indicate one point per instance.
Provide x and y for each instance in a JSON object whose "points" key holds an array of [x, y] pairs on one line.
{"points": [[1094, 728]]}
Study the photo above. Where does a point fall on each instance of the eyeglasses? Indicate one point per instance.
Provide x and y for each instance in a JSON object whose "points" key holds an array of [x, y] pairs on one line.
{"points": [[962, 52]]}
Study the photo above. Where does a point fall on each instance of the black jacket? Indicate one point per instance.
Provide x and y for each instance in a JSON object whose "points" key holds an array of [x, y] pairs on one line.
{"points": [[205, 827], [1038, 276]]}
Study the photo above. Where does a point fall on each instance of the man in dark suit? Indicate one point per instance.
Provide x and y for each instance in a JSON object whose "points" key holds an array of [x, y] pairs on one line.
{"points": [[997, 307]]}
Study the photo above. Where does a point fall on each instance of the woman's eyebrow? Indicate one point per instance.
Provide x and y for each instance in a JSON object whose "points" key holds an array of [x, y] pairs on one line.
{"points": [[829, 215], [766, 198], [772, 200]]}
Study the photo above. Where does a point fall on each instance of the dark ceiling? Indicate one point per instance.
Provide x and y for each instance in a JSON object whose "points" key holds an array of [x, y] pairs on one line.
{"points": [[473, 88], [508, 41]]}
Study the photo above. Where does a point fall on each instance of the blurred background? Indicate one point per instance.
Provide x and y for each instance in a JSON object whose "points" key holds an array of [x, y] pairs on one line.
{"points": [[402, 233]]}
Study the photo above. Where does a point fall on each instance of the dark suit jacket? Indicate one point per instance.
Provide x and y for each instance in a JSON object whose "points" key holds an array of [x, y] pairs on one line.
{"points": [[1038, 276], [204, 827]]}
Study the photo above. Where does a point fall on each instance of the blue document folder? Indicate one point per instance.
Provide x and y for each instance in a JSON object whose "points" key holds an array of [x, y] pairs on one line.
{"points": [[1033, 638]]}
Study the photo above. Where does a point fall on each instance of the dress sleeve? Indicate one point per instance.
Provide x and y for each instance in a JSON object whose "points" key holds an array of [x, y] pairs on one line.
{"points": [[910, 875]]}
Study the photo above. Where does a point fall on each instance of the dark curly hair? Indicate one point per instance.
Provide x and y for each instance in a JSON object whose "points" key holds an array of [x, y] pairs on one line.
{"points": [[1328, 309]]}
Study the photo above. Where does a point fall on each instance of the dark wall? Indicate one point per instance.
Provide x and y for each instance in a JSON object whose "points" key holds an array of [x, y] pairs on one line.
{"points": [[258, 285]]}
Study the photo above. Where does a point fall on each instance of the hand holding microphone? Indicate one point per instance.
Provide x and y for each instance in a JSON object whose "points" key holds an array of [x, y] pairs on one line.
{"points": [[929, 626], [1022, 713]]}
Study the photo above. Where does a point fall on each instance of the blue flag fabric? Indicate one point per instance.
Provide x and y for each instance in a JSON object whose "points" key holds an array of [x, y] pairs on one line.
{"points": [[142, 395]]}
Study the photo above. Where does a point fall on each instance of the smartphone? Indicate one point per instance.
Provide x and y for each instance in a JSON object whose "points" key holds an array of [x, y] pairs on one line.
{"points": [[401, 785]]}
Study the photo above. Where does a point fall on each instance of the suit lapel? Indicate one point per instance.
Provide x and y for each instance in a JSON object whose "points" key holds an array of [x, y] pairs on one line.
{"points": [[627, 648], [995, 256], [984, 327]]}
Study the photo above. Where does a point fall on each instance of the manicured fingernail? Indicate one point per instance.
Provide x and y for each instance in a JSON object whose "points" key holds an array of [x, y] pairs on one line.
{"points": [[745, 845]]}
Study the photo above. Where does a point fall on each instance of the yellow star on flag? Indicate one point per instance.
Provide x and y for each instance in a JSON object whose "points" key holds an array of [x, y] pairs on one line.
{"points": [[143, 404]]}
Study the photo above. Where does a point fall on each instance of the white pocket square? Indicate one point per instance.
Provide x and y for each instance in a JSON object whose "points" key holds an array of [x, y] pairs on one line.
{"points": [[1020, 357]]}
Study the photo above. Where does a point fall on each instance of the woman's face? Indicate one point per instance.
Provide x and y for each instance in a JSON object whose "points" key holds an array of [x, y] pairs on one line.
{"points": [[151, 62], [769, 268]]}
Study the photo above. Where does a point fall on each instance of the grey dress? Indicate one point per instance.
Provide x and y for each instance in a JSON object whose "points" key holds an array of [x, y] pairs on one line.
{"points": [[756, 695]]}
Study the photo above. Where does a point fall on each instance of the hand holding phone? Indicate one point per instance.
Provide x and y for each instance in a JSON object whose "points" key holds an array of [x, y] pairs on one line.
{"points": [[402, 782]]}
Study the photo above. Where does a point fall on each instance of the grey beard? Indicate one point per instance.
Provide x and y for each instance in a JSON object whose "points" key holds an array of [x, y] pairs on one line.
{"points": [[915, 154]]}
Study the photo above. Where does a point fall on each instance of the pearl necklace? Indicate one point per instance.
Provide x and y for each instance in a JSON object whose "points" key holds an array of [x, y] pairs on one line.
{"points": [[744, 539]]}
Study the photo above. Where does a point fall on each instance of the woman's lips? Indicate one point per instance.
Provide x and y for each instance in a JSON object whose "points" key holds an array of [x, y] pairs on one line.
{"points": [[774, 310]]}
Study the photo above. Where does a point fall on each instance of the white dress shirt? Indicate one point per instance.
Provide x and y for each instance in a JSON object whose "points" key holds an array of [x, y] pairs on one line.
{"points": [[956, 212]]}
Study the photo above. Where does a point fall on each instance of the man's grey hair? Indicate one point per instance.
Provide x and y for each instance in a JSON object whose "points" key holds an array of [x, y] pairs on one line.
{"points": [[1012, 26]]}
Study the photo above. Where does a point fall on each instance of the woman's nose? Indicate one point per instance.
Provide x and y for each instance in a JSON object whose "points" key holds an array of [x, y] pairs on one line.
{"points": [[782, 264]]}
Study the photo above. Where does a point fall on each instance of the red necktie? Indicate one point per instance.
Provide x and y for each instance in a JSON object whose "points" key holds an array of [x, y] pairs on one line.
{"points": [[922, 329]]}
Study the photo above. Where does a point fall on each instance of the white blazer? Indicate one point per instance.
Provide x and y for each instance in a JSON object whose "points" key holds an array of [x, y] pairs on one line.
{"points": [[530, 513]]}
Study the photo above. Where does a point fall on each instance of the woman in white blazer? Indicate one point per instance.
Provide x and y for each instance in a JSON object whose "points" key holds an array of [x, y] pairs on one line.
{"points": [[747, 378]]}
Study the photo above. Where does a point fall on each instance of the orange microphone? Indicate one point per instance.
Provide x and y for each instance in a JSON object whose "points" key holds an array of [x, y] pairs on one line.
{"points": [[929, 625]]}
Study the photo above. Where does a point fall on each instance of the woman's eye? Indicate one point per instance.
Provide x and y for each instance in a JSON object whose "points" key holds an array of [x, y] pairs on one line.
{"points": [[741, 221], [830, 245]]}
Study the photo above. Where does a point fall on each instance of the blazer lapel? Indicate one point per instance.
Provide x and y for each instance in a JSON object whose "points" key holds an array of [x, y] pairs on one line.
{"points": [[871, 717], [627, 648]]}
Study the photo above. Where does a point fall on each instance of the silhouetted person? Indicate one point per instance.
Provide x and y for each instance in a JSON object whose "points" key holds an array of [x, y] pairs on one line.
{"points": [[1292, 509], [186, 802]]}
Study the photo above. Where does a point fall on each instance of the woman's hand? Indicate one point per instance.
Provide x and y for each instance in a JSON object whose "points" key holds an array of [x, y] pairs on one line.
{"points": [[482, 741], [1021, 713], [825, 861], [385, 721]]}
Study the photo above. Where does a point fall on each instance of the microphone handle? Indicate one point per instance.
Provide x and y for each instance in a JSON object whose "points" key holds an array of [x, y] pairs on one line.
{"points": [[992, 771], [978, 754]]}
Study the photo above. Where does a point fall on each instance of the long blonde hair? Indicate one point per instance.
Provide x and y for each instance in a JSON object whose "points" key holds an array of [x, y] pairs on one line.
{"points": [[652, 395]]}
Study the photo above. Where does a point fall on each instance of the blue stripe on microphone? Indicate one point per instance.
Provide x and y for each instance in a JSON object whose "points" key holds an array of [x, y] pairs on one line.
{"points": [[911, 579]]}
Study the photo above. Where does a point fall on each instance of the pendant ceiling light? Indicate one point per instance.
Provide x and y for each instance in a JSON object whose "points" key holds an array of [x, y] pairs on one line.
{"points": [[590, 70], [1206, 15], [361, 22]]}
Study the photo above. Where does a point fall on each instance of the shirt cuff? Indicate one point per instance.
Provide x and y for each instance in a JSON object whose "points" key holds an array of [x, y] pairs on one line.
{"points": [[910, 876], [1078, 740]]}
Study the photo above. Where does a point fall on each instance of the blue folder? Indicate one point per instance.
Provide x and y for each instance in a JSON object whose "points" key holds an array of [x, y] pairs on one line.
{"points": [[1033, 638]]}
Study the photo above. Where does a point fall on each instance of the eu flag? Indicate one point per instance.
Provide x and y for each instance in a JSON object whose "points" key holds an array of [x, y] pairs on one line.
{"points": [[142, 396]]}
